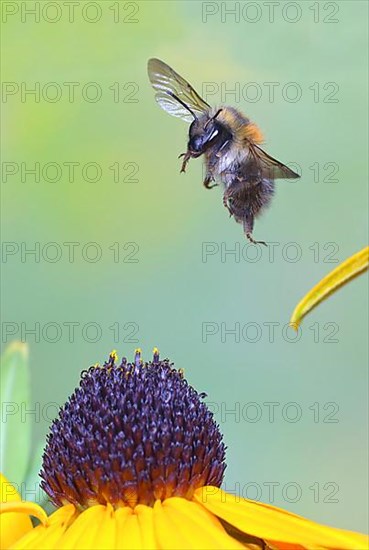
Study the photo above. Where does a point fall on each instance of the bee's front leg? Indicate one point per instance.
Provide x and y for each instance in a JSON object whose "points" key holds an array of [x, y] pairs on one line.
{"points": [[186, 157]]}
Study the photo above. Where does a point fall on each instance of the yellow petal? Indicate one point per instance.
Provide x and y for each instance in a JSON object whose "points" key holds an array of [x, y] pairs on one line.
{"points": [[45, 537], [106, 534], [283, 546], [97, 527], [24, 508], [349, 269], [145, 516], [13, 525], [181, 524], [132, 534], [83, 531], [274, 524]]}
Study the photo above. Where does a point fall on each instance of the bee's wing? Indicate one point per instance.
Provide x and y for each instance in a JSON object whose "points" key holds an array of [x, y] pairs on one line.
{"points": [[173, 93], [270, 168]]}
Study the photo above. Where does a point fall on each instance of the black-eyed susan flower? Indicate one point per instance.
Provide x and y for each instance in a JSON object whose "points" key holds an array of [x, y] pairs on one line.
{"points": [[135, 460]]}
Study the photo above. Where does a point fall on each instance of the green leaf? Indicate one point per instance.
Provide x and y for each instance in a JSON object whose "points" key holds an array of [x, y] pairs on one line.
{"points": [[16, 426]]}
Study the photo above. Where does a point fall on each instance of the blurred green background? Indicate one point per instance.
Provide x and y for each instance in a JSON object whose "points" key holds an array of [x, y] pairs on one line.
{"points": [[166, 296]]}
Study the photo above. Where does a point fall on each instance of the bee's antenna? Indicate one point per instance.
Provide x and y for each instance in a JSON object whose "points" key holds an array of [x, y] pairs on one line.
{"points": [[212, 118], [183, 103], [217, 113]]}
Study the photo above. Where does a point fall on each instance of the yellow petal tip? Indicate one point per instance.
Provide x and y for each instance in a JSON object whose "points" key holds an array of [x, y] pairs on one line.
{"points": [[28, 508], [342, 274]]}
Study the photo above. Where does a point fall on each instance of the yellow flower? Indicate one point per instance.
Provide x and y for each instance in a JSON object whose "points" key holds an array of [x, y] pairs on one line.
{"points": [[135, 461], [342, 274]]}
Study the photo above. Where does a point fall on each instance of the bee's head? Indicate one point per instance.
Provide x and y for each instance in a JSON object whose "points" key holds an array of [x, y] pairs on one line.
{"points": [[203, 132]]}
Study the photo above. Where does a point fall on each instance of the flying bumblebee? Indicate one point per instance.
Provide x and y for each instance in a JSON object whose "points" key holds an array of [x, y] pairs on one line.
{"points": [[230, 143]]}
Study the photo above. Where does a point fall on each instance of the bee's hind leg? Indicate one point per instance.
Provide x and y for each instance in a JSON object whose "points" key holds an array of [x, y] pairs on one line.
{"points": [[227, 203], [250, 238], [248, 226], [207, 181]]}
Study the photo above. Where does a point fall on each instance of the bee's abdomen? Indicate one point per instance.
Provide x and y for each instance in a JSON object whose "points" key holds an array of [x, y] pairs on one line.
{"points": [[251, 199]]}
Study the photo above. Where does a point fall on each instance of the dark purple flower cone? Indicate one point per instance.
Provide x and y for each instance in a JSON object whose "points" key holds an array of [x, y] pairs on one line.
{"points": [[131, 434]]}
